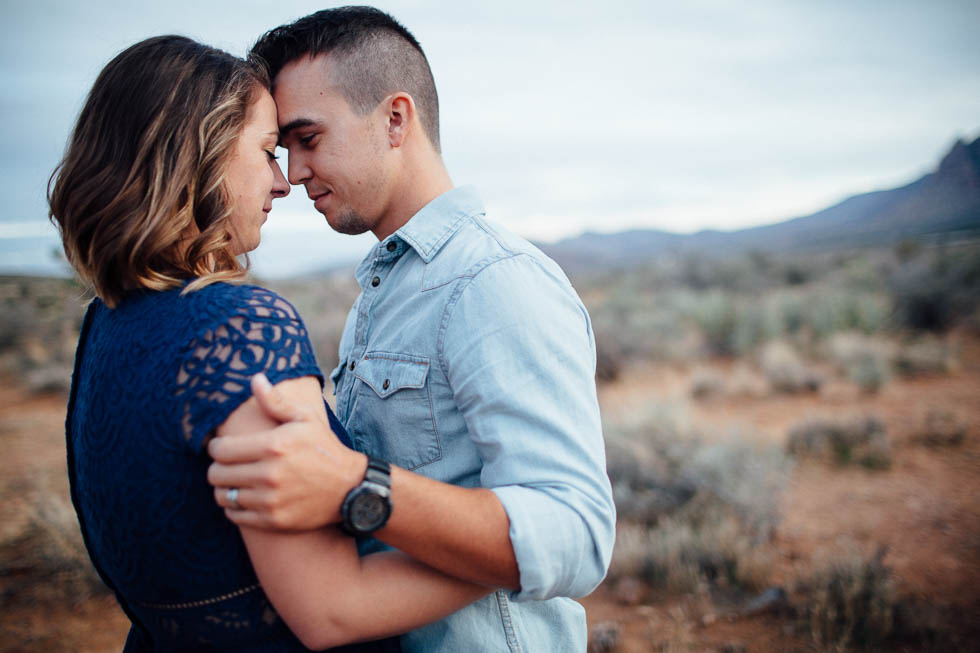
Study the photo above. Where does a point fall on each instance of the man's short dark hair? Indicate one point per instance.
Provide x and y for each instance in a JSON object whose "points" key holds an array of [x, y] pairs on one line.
{"points": [[374, 56]]}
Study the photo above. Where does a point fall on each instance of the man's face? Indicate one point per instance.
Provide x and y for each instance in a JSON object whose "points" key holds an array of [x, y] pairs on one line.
{"points": [[336, 154]]}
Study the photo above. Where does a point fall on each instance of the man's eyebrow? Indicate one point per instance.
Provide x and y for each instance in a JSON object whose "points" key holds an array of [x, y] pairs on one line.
{"points": [[293, 124]]}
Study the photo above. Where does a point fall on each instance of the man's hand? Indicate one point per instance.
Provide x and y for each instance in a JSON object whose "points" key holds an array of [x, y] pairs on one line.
{"points": [[293, 475]]}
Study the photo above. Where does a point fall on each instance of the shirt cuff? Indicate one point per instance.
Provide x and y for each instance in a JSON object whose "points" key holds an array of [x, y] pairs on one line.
{"points": [[550, 543]]}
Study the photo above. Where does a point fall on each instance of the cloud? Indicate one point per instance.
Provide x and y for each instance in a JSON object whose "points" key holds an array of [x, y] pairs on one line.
{"points": [[576, 116]]}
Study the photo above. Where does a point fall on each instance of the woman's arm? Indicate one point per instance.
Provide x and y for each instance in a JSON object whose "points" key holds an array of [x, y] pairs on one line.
{"points": [[326, 594]]}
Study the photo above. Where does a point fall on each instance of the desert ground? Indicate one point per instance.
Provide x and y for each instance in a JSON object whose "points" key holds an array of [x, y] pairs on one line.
{"points": [[796, 465]]}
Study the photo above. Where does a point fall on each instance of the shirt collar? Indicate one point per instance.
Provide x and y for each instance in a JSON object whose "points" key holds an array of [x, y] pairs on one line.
{"points": [[426, 231], [432, 227]]}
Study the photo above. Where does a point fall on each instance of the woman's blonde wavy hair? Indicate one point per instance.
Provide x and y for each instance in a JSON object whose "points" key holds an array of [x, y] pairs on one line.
{"points": [[139, 197]]}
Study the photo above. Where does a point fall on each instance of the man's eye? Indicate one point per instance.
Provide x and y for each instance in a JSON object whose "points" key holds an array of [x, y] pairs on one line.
{"points": [[305, 141]]}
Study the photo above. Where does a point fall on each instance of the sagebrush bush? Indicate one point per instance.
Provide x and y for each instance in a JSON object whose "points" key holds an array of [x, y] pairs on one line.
{"points": [[925, 356], [44, 560], [692, 512], [936, 291], [865, 360], [706, 383], [39, 324], [941, 428], [852, 602], [786, 370], [859, 440]]}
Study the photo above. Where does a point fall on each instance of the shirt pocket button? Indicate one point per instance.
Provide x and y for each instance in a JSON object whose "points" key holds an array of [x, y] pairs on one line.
{"points": [[386, 384]]}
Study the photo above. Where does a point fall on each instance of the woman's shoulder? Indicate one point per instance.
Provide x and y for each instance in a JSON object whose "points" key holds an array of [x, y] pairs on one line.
{"points": [[221, 301], [180, 316], [229, 292]]}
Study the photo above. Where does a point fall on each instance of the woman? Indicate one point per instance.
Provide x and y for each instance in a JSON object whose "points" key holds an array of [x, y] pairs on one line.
{"points": [[169, 175]]}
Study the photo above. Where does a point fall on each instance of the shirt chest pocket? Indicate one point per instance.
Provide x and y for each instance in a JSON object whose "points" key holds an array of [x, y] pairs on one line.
{"points": [[391, 417]]}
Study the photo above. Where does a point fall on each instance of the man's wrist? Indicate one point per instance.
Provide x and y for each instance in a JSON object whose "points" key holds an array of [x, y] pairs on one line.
{"points": [[350, 470], [367, 506]]}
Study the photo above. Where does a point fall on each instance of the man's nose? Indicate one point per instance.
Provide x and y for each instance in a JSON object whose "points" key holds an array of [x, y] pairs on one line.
{"points": [[298, 171]]}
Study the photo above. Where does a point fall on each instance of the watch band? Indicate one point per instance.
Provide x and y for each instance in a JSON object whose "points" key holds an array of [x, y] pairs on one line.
{"points": [[378, 471]]}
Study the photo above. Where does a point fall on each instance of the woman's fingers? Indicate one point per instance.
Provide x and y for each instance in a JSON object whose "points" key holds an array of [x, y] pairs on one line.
{"points": [[245, 498], [242, 476], [243, 448]]}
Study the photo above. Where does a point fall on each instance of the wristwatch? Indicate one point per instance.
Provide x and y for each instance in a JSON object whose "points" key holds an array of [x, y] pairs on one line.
{"points": [[368, 506]]}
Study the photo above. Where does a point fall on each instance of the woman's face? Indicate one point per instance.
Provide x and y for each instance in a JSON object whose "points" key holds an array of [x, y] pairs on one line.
{"points": [[253, 177]]}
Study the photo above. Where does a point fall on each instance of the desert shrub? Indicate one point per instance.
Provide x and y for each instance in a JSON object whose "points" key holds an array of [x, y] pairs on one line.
{"points": [[52, 377], [745, 381], [643, 465], [39, 324], [860, 440], [925, 356], [642, 326], [604, 637], [16, 318], [612, 351], [707, 543], [852, 602], [941, 428], [715, 315], [933, 293], [742, 476], [830, 310], [706, 382], [786, 371], [865, 360], [692, 512], [44, 560], [608, 363]]}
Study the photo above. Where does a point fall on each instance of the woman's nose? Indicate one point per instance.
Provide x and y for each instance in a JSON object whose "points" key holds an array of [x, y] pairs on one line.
{"points": [[280, 187]]}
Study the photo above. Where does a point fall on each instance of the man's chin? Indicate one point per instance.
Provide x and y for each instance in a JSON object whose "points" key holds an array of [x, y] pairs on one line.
{"points": [[349, 223]]}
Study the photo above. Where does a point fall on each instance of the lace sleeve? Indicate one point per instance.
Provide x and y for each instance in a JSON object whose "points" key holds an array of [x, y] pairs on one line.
{"points": [[259, 332]]}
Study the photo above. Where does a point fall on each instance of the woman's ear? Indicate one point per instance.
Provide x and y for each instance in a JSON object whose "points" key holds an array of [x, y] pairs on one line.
{"points": [[401, 116]]}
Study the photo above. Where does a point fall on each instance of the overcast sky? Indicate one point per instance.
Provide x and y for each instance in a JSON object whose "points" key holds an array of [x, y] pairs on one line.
{"points": [[575, 116]]}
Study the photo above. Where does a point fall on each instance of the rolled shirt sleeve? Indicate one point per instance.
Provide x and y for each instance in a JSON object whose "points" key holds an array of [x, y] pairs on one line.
{"points": [[518, 350]]}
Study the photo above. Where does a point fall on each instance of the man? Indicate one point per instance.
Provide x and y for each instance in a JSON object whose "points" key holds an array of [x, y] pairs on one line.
{"points": [[466, 363]]}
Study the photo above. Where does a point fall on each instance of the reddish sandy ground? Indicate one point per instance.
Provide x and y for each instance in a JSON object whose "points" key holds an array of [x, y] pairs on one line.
{"points": [[925, 510]]}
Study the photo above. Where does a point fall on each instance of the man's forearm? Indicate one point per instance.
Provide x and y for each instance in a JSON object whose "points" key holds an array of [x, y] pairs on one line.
{"points": [[464, 532]]}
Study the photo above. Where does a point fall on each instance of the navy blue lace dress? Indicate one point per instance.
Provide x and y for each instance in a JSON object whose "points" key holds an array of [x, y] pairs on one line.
{"points": [[153, 378]]}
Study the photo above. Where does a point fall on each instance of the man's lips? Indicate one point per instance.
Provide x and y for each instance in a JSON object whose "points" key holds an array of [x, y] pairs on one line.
{"points": [[319, 199]]}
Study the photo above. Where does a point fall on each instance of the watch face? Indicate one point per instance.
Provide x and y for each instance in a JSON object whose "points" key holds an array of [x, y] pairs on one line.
{"points": [[368, 511]]}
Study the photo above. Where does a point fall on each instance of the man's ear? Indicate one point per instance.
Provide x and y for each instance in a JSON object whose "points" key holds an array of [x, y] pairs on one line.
{"points": [[401, 116]]}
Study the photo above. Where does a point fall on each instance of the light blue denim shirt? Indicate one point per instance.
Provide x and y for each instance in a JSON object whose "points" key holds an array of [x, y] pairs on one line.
{"points": [[469, 358]]}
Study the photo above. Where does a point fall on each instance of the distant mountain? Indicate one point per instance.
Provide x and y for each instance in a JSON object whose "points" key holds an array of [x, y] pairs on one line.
{"points": [[944, 201]]}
